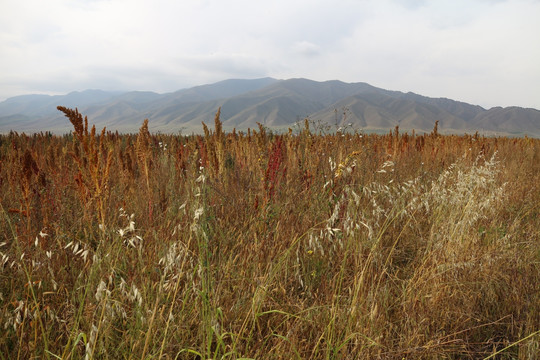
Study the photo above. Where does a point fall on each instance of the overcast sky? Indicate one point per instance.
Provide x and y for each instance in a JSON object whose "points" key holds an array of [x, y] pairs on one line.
{"points": [[485, 52]]}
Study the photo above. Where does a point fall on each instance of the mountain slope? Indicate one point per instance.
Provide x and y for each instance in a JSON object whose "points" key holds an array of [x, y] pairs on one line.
{"points": [[273, 103], [380, 110], [513, 120], [42, 105]]}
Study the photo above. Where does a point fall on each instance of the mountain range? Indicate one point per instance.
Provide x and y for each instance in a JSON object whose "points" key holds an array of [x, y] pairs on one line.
{"points": [[277, 104]]}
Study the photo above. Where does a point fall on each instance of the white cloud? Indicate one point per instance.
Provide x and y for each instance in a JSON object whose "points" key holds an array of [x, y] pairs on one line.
{"points": [[483, 51], [306, 48]]}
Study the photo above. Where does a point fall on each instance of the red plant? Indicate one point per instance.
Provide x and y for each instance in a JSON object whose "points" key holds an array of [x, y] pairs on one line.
{"points": [[274, 169]]}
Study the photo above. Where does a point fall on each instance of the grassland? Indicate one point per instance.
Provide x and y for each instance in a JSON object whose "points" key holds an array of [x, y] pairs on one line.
{"points": [[256, 245]]}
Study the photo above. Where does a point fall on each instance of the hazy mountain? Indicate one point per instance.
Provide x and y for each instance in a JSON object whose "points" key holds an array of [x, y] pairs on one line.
{"points": [[219, 90], [514, 120], [381, 110], [42, 105], [274, 103]]}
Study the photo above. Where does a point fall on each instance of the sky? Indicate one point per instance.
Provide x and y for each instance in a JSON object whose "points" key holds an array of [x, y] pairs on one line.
{"points": [[484, 52]]}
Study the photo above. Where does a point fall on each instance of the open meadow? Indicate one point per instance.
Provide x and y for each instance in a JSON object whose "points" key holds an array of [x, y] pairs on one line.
{"points": [[302, 245]]}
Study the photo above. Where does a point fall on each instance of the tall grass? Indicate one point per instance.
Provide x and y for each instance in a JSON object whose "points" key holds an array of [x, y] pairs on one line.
{"points": [[261, 245]]}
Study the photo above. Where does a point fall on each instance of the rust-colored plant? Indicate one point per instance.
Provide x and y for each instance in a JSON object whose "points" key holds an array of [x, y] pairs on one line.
{"points": [[245, 244], [94, 163]]}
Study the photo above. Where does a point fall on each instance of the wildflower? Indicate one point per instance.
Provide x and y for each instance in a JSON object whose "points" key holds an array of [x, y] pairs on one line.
{"points": [[84, 254], [102, 290], [347, 165], [89, 347], [198, 213], [131, 226], [135, 240], [4, 259], [201, 179]]}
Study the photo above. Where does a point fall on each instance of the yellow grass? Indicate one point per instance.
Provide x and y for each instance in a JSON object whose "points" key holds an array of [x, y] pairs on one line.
{"points": [[262, 245]]}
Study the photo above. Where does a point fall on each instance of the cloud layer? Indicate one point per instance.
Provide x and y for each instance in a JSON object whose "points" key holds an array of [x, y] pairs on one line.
{"points": [[483, 52]]}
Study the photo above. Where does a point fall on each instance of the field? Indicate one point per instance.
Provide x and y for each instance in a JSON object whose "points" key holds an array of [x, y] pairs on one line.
{"points": [[299, 245]]}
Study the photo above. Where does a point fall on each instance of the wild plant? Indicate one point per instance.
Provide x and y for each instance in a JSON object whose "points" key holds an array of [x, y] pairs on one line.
{"points": [[94, 163], [241, 245], [144, 153]]}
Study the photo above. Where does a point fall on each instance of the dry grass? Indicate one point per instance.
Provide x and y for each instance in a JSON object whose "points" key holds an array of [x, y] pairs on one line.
{"points": [[256, 245]]}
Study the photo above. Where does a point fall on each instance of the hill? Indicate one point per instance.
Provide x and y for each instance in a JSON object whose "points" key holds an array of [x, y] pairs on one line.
{"points": [[274, 103]]}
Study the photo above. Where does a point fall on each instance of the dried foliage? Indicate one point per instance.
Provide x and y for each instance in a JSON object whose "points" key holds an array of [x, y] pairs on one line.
{"points": [[309, 244]]}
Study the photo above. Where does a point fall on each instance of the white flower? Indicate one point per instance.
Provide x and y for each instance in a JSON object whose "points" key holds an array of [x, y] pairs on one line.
{"points": [[201, 178], [198, 213]]}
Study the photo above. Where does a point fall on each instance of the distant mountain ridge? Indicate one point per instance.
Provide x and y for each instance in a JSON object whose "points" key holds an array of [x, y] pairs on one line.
{"points": [[275, 103]]}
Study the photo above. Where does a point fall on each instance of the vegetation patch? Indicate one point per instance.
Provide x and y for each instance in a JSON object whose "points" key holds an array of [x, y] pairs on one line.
{"points": [[234, 245]]}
